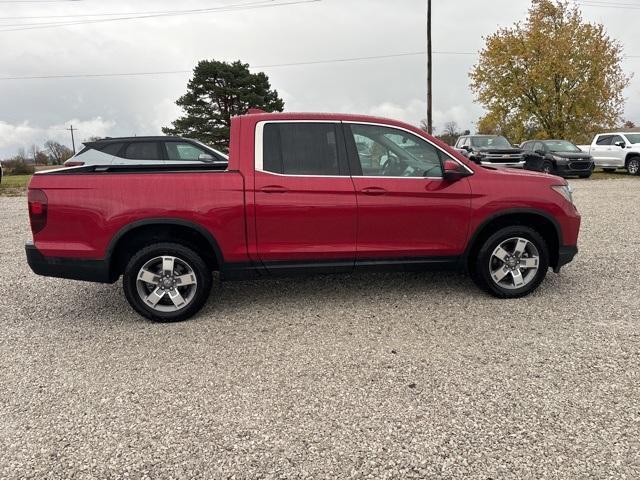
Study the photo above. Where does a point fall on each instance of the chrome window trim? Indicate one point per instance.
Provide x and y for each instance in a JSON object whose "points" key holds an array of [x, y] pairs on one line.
{"points": [[259, 147], [411, 133], [259, 150]]}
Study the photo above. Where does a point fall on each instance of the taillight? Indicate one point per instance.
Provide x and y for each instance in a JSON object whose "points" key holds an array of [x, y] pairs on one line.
{"points": [[73, 164], [38, 205]]}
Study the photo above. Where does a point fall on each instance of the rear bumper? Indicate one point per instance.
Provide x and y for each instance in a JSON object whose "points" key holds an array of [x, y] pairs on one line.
{"points": [[70, 268], [565, 255]]}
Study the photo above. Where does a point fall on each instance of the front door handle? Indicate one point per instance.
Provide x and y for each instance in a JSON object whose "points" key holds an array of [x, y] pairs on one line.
{"points": [[373, 191], [273, 189]]}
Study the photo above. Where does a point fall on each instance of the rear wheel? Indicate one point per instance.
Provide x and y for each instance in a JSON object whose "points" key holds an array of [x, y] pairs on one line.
{"points": [[633, 166], [167, 282], [511, 263]]}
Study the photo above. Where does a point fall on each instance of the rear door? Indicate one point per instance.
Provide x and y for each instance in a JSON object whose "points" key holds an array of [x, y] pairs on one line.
{"points": [[304, 196], [406, 210], [600, 150]]}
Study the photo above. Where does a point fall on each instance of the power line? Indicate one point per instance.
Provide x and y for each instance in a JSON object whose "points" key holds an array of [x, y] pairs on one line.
{"points": [[619, 6], [237, 7], [114, 14], [272, 65]]}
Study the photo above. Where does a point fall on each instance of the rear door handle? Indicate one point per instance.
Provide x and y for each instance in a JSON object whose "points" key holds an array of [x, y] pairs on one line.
{"points": [[273, 189], [373, 191]]}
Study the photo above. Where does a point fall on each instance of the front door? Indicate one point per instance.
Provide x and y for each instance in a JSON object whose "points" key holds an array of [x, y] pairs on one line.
{"points": [[406, 210], [304, 196]]}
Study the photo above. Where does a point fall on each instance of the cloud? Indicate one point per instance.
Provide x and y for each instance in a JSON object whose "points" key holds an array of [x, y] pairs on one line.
{"points": [[22, 135]]}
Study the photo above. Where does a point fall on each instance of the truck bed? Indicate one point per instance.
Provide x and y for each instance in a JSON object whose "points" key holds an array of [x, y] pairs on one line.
{"points": [[89, 206]]}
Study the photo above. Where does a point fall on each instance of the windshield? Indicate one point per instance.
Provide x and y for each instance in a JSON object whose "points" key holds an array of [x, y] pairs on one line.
{"points": [[490, 142], [633, 137], [561, 146]]}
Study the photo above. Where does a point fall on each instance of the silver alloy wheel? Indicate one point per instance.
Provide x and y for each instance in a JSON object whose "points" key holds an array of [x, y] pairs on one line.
{"points": [[634, 166], [166, 284], [514, 263]]}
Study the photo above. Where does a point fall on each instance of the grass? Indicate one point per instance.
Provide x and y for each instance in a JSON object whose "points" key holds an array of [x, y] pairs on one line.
{"points": [[14, 185]]}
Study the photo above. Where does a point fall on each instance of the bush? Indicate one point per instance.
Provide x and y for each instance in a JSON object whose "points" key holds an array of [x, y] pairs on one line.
{"points": [[18, 167]]}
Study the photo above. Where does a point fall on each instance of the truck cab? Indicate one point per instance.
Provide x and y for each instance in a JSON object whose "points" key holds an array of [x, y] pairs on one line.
{"points": [[612, 151]]}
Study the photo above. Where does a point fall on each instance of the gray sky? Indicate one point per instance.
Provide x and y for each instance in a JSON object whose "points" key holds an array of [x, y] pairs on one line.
{"points": [[34, 110]]}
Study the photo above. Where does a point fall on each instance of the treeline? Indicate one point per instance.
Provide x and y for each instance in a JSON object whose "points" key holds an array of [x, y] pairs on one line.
{"points": [[25, 161]]}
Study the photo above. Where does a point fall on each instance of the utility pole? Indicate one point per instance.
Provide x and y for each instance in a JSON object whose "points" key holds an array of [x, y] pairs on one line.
{"points": [[73, 141], [429, 83]]}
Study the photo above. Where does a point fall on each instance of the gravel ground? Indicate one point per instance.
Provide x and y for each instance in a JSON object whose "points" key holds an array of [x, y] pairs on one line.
{"points": [[372, 376]]}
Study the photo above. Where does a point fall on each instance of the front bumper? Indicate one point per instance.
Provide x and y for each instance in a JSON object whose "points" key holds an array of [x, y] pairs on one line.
{"points": [[566, 254], [519, 164], [574, 167], [64, 267]]}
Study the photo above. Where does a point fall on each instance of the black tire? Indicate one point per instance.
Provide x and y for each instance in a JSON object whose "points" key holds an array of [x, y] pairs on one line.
{"points": [[633, 166], [481, 264], [186, 256], [547, 167]]}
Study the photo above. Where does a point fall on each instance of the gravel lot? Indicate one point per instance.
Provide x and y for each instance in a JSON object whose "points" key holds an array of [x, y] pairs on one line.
{"points": [[371, 376]]}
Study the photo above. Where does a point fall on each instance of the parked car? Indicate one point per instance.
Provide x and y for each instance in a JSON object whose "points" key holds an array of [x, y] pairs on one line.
{"points": [[559, 157], [491, 150], [300, 196], [611, 151], [160, 150]]}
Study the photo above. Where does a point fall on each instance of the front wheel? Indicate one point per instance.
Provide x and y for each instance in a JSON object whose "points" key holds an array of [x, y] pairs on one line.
{"points": [[547, 167], [633, 166], [511, 263], [167, 282]]}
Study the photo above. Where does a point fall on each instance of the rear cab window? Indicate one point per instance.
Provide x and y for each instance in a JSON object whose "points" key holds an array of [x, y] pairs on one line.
{"points": [[303, 148]]}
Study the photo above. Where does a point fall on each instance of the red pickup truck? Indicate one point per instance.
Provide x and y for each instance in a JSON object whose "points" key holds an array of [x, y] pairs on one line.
{"points": [[302, 193]]}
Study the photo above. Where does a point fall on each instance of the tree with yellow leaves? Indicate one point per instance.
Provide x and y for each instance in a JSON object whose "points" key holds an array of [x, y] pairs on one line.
{"points": [[553, 76]]}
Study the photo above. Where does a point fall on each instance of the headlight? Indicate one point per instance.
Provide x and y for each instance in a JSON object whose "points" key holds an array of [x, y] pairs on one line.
{"points": [[557, 158], [565, 190]]}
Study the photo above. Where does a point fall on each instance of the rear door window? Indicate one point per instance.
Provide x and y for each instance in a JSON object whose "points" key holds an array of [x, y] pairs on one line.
{"points": [[112, 148], [604, 140], [142, 151], [302, 149]]}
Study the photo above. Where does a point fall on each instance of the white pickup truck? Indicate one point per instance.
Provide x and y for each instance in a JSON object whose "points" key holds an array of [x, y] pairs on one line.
{"points": [[611, 151]]}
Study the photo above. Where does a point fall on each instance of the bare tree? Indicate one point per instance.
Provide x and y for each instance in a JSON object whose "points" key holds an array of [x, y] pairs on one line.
{"points": [[58, 153], [451, 129]]}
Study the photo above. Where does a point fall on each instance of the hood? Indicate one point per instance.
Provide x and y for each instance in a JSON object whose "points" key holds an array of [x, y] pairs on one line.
{"points": [[518, 173], [573, 155]]}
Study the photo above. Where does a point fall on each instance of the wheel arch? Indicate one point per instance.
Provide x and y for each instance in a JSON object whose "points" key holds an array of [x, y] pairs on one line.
{"points": [[630, 156], [542, 222], [143, 232]]}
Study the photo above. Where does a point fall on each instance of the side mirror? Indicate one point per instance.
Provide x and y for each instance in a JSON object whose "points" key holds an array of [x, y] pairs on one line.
{"points": [[205, 157], [453, 171], [466, 148], [621, 144]]}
